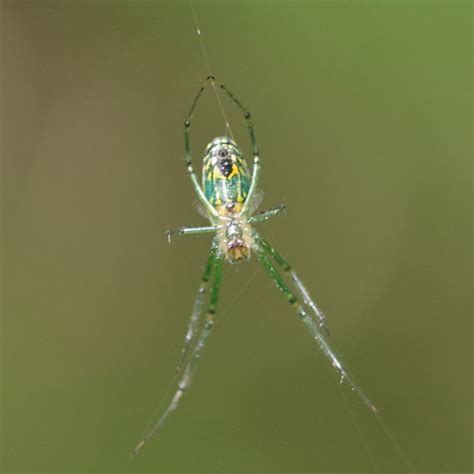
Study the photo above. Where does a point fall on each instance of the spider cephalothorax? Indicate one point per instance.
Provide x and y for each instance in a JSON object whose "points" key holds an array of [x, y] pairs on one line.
{"points": [[234, 239]]}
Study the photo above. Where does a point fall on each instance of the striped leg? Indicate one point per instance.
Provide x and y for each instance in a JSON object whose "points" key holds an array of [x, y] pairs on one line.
{"points": [[253, 142], [191, 363], [197, 307], [303, 292], [309, 322], [188, 157], [265, 215], [187, 146], [191, 230]]}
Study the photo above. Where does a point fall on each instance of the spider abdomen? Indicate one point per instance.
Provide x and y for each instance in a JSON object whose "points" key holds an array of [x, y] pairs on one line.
{"points": [[225, 176]]}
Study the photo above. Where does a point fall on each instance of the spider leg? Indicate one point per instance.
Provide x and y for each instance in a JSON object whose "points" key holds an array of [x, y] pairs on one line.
{"points": [[265, 215], [191, 364], [309, 322], [303, 292], [191, 230], [187, 146], [188, 157], [253, 141], [197, 307]]}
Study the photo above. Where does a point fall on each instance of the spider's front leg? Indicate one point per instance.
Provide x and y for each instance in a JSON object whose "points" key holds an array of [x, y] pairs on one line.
{"points": [[303, 292], [264, 252], [191, 363], [197, 307]]}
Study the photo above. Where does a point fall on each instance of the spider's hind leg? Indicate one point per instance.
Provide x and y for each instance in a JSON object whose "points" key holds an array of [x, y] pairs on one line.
{"points": [[188, 156], [253, 142]]}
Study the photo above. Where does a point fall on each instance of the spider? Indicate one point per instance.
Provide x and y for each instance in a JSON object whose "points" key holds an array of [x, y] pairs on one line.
{"points": [[228, 197]]}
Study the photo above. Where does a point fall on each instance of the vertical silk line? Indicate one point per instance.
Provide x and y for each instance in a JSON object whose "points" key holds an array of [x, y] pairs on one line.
{"points": [[206, 60]]}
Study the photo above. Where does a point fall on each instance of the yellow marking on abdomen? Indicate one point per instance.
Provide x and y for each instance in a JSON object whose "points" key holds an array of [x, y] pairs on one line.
{"points": [[234, 171]]}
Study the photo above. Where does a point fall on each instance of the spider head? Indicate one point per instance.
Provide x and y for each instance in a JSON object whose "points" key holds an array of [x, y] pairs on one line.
{"points": [[237, 242], [237, 250]]}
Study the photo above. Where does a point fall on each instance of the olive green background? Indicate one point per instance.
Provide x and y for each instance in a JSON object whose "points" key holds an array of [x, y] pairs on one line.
{"points": [[363, 116]]}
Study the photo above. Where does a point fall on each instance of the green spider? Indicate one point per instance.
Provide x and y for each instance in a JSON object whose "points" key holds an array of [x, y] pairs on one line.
{"points": [[228, 196]]}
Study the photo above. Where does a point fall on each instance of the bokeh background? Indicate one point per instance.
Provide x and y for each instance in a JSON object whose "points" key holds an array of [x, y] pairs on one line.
{"points": [[363, 116]]}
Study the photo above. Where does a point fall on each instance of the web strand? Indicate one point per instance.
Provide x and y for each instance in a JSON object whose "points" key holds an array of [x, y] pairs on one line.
{"points": [[209, 71]]}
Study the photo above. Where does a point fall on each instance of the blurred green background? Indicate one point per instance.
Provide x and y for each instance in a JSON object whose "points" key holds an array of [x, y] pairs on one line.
{"points": [[363, 116]]}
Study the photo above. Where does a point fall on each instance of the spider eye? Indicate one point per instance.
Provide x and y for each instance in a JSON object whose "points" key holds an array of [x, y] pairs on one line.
{"points": [[222, 153]]}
